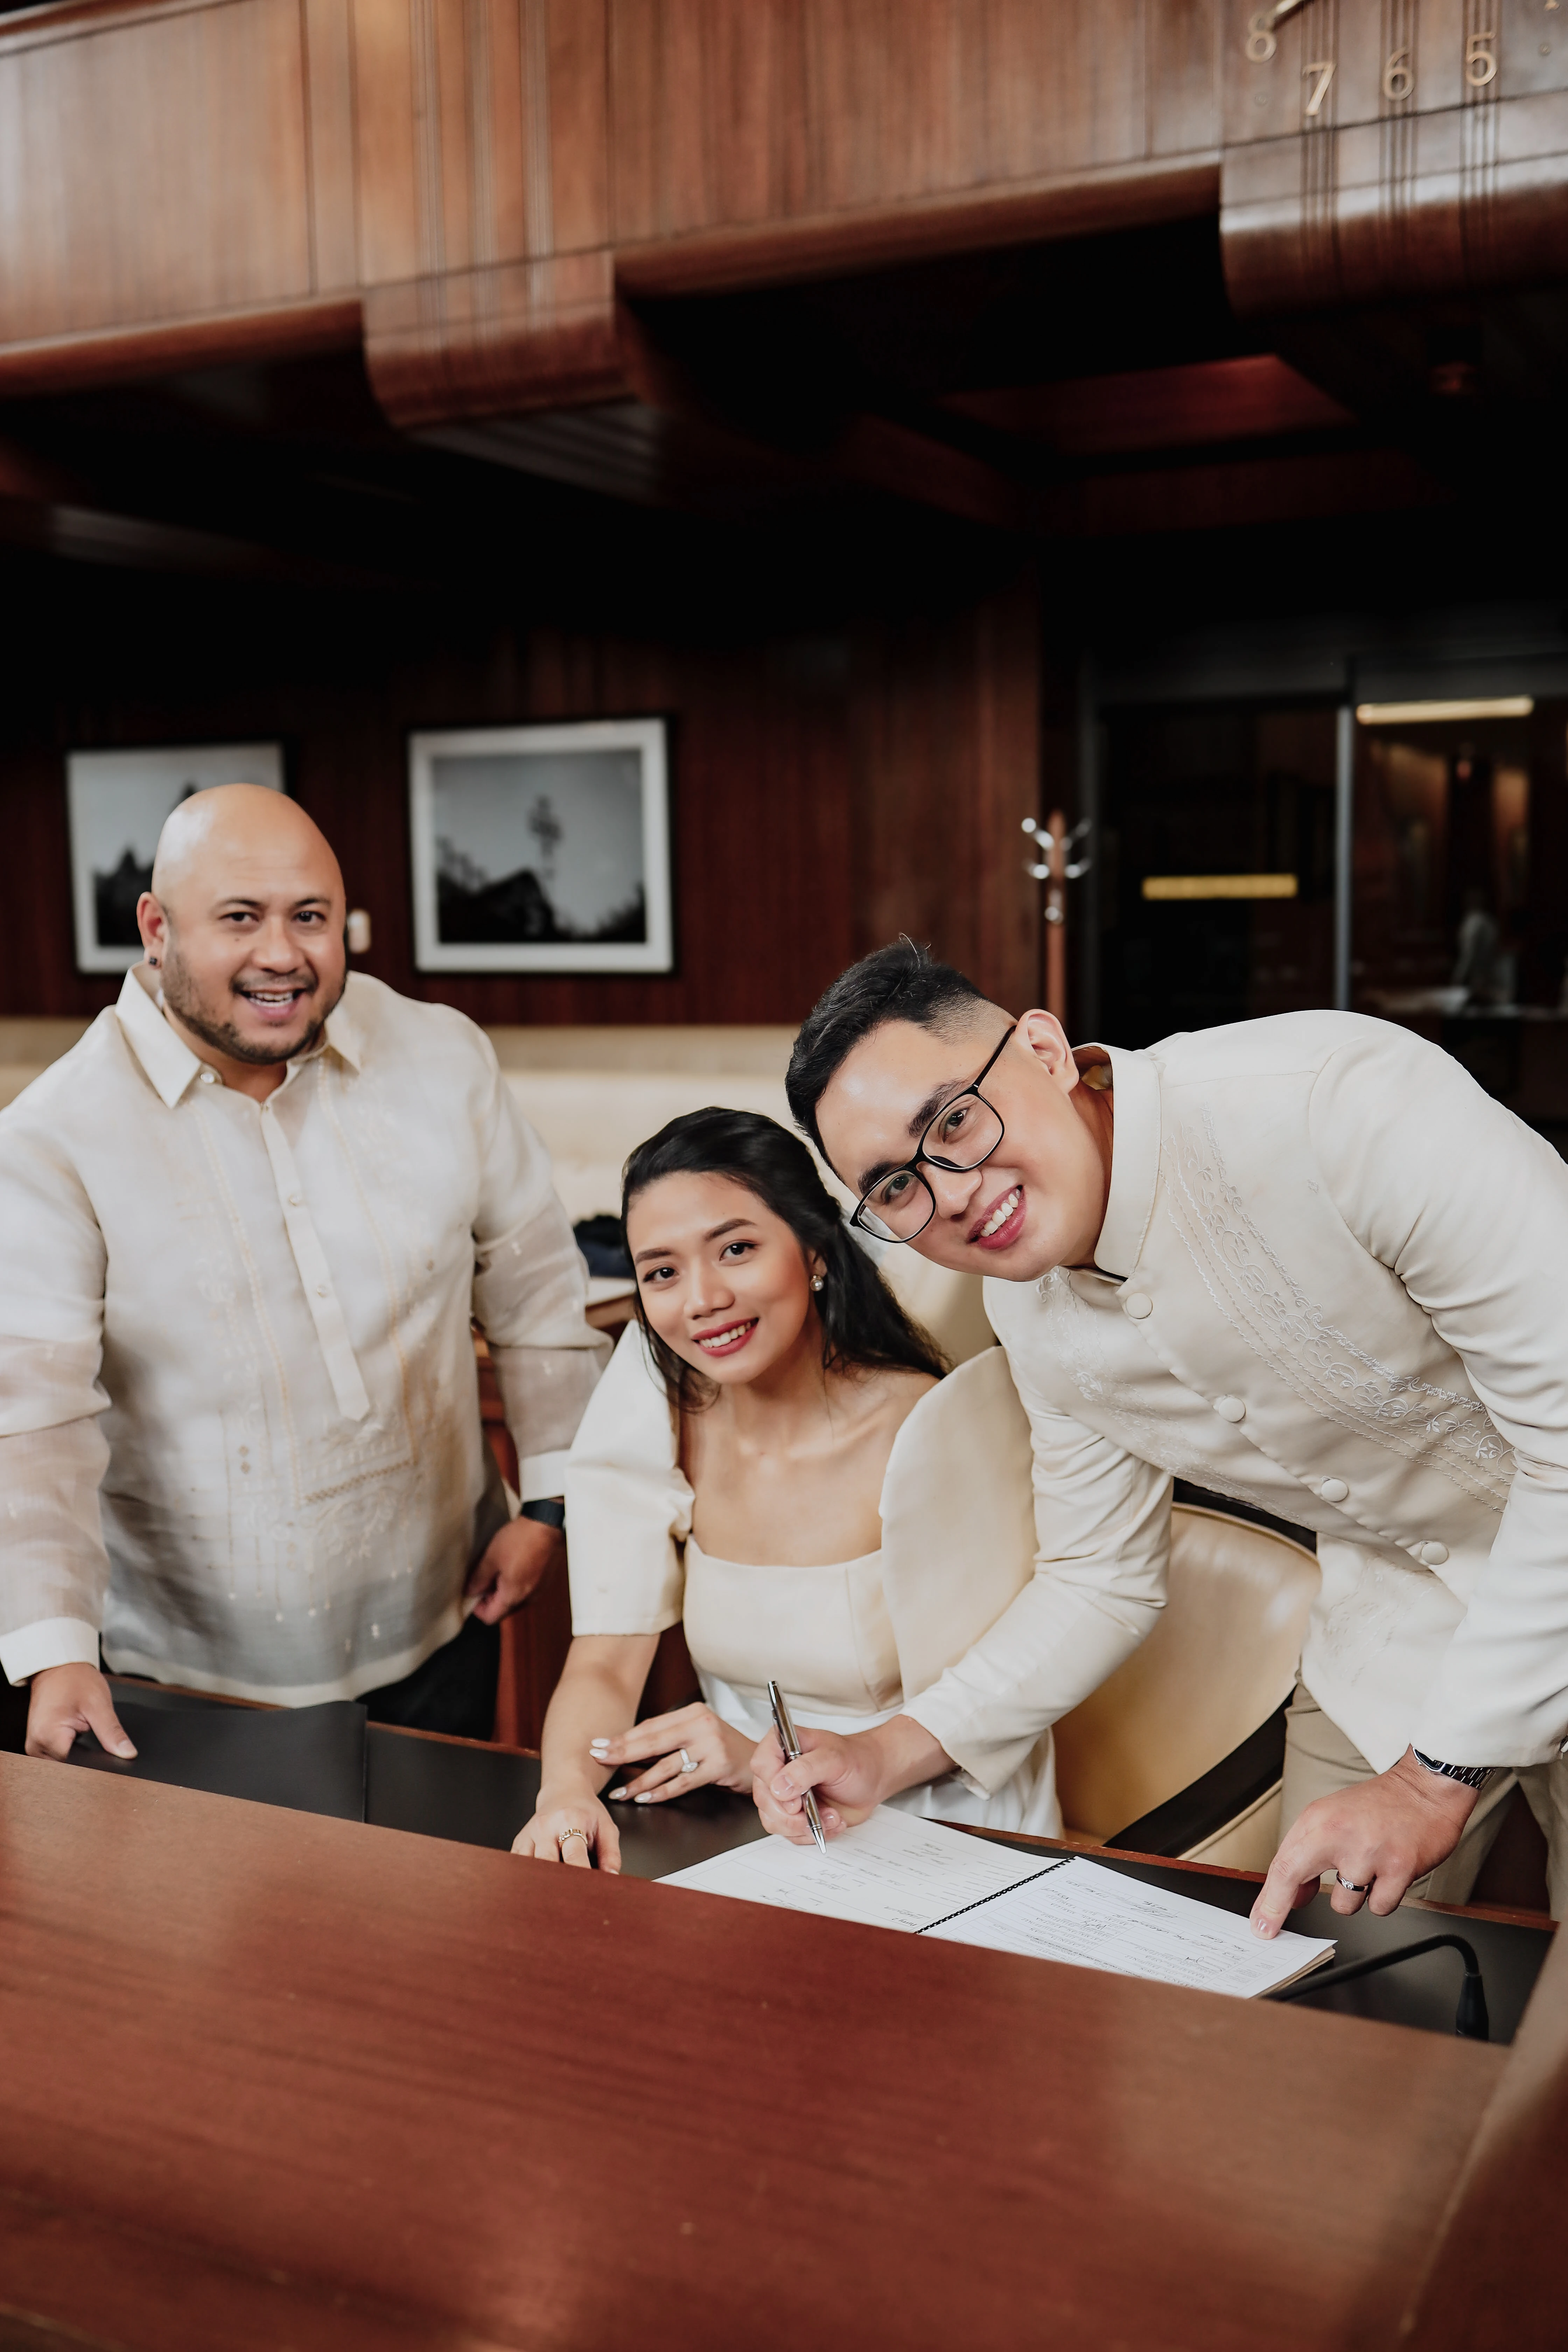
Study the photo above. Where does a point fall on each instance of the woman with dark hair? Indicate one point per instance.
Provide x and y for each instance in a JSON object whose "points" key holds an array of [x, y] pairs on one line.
{"points": [[729, 1475]]}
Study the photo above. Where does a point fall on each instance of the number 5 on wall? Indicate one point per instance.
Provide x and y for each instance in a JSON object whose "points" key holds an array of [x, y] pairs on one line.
{"points": [[1324, 69], [1480, 60]]}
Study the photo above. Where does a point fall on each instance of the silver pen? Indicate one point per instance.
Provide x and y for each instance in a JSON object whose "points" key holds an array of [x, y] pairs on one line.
{"points": [[790, 1746]]}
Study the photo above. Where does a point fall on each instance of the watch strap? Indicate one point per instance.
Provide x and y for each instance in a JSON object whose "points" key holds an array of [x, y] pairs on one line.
{"points": [[548, 1510], [1473, 1776]]}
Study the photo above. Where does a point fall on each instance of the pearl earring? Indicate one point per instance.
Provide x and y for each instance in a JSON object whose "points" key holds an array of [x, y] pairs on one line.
{"points": [[817, 1281]]}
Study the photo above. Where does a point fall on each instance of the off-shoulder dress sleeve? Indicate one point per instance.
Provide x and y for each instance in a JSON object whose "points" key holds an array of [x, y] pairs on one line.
{"points": [[629, 1505]]}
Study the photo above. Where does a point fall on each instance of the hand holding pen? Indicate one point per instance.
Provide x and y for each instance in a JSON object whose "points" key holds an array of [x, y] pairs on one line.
{"points": [[789, 1742]]}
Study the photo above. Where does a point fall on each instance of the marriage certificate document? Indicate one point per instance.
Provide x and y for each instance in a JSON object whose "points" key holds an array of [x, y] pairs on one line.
{"points": [[897, 1870]]}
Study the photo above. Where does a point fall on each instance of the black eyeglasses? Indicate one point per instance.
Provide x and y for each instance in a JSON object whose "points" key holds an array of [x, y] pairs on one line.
{"points": [[900, 1205]]}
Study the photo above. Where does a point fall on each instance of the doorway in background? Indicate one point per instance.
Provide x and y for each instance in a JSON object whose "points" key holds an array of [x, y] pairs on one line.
{"points": [[1217, 882], [1459, 920]]}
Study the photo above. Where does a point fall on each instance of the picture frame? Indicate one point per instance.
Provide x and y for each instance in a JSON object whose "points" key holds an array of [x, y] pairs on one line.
{"points": [[116, 802], [543, 848]]}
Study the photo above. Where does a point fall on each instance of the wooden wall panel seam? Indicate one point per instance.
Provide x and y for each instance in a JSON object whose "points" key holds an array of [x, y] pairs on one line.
{"points": [[539, 205], [305, 129], [327, 49]]}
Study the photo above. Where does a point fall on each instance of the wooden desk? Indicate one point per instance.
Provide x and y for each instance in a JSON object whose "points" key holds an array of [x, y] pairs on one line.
{"points": [[274, 2080]]}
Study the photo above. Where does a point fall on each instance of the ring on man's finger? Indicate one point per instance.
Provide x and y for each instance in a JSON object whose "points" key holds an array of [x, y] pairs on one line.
{"points": [[688, 1763], [1350, 1884]]}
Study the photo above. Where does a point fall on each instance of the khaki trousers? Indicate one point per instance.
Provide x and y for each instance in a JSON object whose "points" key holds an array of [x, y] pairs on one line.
{"points": [[1320, 1759]]}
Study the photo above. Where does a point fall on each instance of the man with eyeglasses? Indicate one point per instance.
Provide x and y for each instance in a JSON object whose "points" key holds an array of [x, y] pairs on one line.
{"points": [[1303, 1262]]}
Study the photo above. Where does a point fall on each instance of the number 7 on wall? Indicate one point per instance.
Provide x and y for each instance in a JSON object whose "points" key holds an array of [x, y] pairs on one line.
{"points": [[1324, 69]]}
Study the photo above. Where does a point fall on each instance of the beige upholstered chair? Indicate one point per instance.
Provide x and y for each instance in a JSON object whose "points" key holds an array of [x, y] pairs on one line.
{"points": [[1182, 1747], [1188, 1729], [950, 1305]]}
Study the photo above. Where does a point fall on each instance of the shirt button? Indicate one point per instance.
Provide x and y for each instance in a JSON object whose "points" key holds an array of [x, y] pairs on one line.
{"points": [[1433, 1555], [323, 1291], [1230, 1408], [1138, 1304], [295, 1199], [209, 1077], [1333, 1490]]}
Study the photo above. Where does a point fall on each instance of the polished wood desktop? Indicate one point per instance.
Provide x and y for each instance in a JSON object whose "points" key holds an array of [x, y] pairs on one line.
{"points": [[277, 2079]]}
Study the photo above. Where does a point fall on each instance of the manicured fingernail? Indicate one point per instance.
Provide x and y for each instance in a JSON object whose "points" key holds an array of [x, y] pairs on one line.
{"points": [[614, 1795], [597, 1744], [646, 1798]]}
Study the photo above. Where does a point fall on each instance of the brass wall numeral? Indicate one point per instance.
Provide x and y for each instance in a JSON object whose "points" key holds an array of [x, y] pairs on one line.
{"points": [[1480, 60], [1260, 41], [1398, 76], [1324, 69]]}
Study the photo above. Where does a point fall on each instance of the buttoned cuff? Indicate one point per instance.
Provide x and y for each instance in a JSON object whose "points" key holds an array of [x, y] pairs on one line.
{"points": [[539, 1474], [49, 1642], [1457, 1736], [986, 1765]]}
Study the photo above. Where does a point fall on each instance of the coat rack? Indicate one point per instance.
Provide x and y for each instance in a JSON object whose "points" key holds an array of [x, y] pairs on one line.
{"points": [[1055, 871]]}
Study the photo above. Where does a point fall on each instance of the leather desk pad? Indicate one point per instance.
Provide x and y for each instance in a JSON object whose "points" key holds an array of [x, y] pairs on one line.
{"points": [[310, 1759]]}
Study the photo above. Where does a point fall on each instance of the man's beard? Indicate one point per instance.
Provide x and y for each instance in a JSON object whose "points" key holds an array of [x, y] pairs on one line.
{"points": [[221, 1035]]}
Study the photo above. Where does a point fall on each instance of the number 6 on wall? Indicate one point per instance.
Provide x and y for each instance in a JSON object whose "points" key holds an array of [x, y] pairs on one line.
{"points": [[1324, 69], [1480, 60], [1398, 80]]}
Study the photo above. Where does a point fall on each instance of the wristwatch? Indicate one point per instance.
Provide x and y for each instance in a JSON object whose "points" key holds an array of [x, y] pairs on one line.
{"points": [[1473, 1776], [548, 1510]]}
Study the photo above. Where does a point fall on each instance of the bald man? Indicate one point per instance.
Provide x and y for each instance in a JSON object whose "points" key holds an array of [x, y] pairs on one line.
{"points": [[244, 1225]]}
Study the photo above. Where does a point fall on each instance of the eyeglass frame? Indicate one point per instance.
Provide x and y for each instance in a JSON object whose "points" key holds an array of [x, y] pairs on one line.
{"points": [[932, 1160]]}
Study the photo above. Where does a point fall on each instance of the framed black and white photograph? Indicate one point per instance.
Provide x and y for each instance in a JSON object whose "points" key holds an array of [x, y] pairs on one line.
{"points": [[116, 803], [541, 849]]}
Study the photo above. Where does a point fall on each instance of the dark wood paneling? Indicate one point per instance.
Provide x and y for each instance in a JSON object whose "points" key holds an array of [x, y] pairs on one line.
{"points": [[739, 111], [947, 756], [1160, 409], [471, 168], [485, 175], [1454, 186], [762, 805]]}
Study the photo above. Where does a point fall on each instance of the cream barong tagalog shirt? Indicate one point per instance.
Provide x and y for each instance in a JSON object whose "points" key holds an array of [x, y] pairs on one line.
{"points": [[239, 1430], [1332, 1282]]}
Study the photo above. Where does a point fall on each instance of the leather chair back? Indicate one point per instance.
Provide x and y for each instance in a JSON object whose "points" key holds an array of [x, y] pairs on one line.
{"points": [[1222, 1658]]}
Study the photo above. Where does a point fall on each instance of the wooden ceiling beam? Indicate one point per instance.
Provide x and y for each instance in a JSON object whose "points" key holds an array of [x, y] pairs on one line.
{"points": [[1250, 398]]}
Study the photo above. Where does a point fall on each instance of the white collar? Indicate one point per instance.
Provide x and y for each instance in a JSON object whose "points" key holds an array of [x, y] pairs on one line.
{"points": [[169, 1061], [1134, 1160]]}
